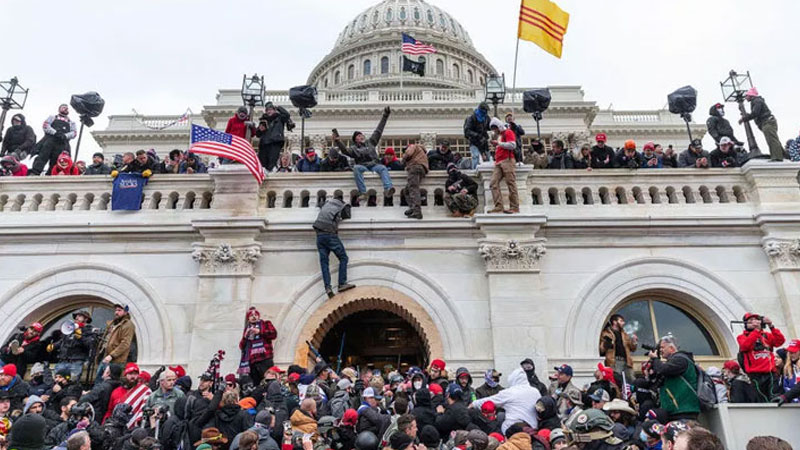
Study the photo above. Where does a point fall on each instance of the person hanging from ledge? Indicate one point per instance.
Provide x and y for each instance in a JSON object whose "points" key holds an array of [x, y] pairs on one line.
{"points": [[327, 228], [762, 116], [415, 159], [256, 346], [270, 133], [59, 130], [504, 167], [364, 152]]}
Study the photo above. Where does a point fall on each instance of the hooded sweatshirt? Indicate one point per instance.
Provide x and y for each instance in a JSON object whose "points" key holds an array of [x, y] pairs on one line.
{"points": [[719, 126], [12, 167], [468, 393], [32, 400], [68, 167], [19, 138], [518, 400]]}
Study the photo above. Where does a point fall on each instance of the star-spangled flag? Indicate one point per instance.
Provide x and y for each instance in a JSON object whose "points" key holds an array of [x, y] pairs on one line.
{"points": [[137, 398], [412, 46], [216, 143]]}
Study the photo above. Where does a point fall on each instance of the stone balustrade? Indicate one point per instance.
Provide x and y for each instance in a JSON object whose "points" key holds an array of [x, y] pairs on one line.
{"points": [[283, 196]]}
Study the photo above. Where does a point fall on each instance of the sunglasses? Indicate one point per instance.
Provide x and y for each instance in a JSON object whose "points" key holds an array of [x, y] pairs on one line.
{"points": [[230, 384]]}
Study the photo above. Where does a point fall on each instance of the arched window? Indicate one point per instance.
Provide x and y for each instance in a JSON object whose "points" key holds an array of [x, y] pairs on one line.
{"points": [[403, 13], [367, 67], [430, 17], [456, 72], [453, 26], [389, 15], [482, 83], [325, 83], [337, 77], [351, 71], [417, 15], [442, 22], [363, 21], [376, 17], [439, 67], [470, 77], [652, 318], [385, 65]]}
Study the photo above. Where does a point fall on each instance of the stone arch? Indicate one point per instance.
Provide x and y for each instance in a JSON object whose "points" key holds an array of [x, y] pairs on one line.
{"points": [[65, 284], [692, 285], [386, 280], [364, 298]]}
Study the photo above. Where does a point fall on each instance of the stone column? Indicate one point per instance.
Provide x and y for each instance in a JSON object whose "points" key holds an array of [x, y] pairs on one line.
{"points": [[512, 254], [226, 257]]}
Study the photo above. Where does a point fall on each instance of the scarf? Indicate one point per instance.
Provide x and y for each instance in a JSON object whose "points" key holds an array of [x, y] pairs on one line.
{"points": [[480, 114], [27, 341], [253, 346], [489, 380]]}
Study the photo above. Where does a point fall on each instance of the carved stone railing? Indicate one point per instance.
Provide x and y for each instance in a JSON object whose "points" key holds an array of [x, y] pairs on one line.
{"points": [[93, 193]]}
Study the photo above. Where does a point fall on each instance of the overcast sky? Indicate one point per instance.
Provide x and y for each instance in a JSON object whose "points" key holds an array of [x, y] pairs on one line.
{"points": [[160, 57]]}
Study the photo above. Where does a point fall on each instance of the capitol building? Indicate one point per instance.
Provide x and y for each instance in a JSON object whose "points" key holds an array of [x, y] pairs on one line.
{"points": [[681, 251]]}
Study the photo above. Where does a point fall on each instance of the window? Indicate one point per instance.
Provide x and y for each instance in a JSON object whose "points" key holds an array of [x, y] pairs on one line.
{"points": [[376, 17], [337, 77], [367, 67], [442, 22], [470, 77], [439, 67], [430, 17], [456, 72], [403, 13], [482, 83], [417, 15], [453, 26], [385, 65], [325, 83], [389, 15], [351, 71], [651, 319]]}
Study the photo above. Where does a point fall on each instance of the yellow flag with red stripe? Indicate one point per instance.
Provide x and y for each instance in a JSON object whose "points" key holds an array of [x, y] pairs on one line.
{"points": [[543, 23]]}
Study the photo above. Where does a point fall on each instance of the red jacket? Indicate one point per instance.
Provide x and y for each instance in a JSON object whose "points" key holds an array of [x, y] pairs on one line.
{"points": [[237, 127], [500, 153], [761, 360], [118, 396], [266, 334]]}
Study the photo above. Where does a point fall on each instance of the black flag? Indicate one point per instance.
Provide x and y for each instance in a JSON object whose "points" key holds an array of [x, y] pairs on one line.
{"points": [[417, 67]]}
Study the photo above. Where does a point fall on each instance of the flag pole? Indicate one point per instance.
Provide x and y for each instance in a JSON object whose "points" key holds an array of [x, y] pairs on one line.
{"points": [[402, 63], [516, 57]]}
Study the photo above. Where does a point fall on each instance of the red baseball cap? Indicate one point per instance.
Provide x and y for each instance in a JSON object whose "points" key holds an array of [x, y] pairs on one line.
{"points": [[488, 407], [794, 346], [275, 369], [500, 438], [601, 137], [129, 368], [231, 378], [438, 364], [179, 371], [293, 377], [9, 369], [435, 389], [608, 372], [37, 326], [731, 365]]}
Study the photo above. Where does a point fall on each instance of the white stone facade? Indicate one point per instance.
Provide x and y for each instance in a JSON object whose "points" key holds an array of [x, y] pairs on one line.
{"points": [[486, 292]]}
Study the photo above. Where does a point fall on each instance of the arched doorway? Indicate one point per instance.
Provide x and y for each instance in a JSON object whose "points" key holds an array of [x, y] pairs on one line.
{"points": [[383, 324], [375, 338]]}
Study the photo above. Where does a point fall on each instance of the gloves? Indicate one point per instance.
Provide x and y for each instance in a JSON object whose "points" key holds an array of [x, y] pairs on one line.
{"points": [[290, 125], [147, 173], [387, 111], [114, 174], [50, 348]]}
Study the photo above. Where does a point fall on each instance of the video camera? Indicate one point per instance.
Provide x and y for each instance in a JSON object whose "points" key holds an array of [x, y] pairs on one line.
{"points": [[652, 348]]}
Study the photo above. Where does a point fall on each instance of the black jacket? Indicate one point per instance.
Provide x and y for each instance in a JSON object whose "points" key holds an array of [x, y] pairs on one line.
{"points": [[625, 162], [485, 390], [365, 154], [423, 408], [439, 161], [75, 347], [98, 169], [230, 419], [18, 139], [455, 417], [137, 167], [371, 419], [600, 155], [743, 391], [273, 126], [480, 422], [329, 165], [17, 390], [562, 160], [99, 396], [719, 126], [68, 390], [462, 181], [548, 419], [476, 132], [718, 158], [759, 111]]}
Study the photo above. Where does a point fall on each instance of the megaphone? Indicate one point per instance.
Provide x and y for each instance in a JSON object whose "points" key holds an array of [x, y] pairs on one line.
{"points": [[67, 328]]}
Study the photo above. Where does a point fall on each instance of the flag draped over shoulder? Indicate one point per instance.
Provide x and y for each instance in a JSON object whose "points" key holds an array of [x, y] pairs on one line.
{"points": [[543, 23]]}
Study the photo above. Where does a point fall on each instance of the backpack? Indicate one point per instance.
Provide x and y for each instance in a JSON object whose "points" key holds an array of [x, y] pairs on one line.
{"points": [[705, 391]]}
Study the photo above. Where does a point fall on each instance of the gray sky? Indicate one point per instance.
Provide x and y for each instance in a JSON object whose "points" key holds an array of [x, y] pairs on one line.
{"points": [[161, 56]]}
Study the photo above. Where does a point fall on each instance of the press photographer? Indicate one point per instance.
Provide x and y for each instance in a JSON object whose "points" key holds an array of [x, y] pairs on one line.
{"points": [[756, 345], [677, 394]]}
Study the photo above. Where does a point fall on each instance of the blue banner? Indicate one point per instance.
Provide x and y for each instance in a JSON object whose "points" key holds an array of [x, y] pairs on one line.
{"points": [[127, 192]]}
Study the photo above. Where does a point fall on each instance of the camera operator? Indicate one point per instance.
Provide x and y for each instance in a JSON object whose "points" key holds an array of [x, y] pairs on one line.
{"points": [[270, 134], [757, 360], [155, 417], [677, 395]]}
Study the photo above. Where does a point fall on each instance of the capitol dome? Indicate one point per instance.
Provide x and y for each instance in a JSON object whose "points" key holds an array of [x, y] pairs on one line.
{"points": [[367, 52]]}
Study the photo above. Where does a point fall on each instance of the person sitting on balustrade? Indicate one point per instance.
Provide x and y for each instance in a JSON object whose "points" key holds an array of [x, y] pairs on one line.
{"points": [[461, 193]]}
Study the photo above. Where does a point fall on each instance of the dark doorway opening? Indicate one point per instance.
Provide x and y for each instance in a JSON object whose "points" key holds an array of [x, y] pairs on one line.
{"points": [[374, 338]]}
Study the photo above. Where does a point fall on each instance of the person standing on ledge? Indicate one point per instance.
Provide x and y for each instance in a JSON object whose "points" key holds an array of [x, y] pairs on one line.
{"points": [[760, 113], [270, 134], [327, 228], [256, 346], [504, 167], [415, 159]]}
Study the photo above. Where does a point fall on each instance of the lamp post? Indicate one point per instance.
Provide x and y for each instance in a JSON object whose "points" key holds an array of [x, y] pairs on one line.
{"points": [[252, 96], [14, 96], [495, 90], [733, 90]]}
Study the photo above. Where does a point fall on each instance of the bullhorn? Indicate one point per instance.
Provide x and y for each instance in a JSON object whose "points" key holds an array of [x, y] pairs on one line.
{"points": [[68, 328]]}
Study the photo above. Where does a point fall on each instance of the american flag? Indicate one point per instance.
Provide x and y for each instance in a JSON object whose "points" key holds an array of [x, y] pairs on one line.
{"points": [[216, 143], [137, 397], [412, 46]]}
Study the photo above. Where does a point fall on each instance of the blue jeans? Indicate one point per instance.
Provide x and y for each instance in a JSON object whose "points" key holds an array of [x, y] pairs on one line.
{"points": [[327, 243], [75, 369], [476, 156], [380, 169], [98, 377]]}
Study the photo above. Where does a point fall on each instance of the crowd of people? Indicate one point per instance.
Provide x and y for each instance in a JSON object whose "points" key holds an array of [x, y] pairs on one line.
{"points": [[83, 392]]}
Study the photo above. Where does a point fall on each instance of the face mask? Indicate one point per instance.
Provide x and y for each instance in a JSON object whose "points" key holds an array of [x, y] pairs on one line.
{"points": [[417, 385], [721, 112], [643, 436]]}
